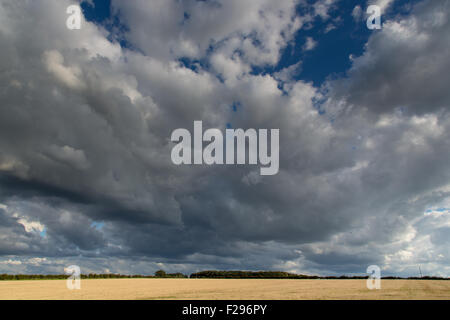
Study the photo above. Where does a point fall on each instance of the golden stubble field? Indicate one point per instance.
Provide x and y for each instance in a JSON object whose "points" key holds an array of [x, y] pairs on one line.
{"points": [[224, 289]]}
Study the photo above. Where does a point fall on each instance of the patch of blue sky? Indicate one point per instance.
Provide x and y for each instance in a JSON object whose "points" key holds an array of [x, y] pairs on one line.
{"points": [[236, 106], [193, 64], [437, 210], [100, 13], [97, 225], [200, 64], [337, 38]]}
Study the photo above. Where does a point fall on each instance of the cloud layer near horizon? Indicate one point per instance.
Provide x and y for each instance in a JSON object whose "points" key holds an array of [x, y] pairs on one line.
{"points": [[85, 169]]}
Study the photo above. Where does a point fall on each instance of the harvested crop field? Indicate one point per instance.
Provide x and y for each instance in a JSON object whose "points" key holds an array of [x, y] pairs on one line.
{"points": [[224, 289]]}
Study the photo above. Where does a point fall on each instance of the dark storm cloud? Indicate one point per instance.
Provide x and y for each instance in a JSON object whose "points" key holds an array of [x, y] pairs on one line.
{"points": [[15, 186], [85, 150]]}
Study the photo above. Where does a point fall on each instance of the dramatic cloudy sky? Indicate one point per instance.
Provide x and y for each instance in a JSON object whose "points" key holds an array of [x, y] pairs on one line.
{"points": [[86, 117]]}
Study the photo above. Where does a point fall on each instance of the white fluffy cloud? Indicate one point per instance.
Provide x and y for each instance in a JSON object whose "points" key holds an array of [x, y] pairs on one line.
{"points": [[257, 29], [383, 4], [310, 44]]}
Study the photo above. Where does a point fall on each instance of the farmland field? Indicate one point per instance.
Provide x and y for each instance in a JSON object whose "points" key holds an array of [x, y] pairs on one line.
{"points": [[224, 289]]}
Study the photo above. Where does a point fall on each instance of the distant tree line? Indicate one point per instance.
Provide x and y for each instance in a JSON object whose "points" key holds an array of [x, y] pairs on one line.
{"points": [[158, 274], [163, 274], [262, 275], [209, 274], [214, 274], [246, 275], [65, 276]]}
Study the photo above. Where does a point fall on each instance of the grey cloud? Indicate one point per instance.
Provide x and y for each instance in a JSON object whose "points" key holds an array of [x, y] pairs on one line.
{"points": [[404, 65], [85, 128]]}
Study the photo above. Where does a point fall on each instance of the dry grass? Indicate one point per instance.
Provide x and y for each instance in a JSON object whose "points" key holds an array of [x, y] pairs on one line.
{"points": [[266, 289]]}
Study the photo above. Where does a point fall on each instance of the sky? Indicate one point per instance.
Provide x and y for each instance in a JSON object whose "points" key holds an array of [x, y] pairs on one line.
{"points": [[86, 117]]}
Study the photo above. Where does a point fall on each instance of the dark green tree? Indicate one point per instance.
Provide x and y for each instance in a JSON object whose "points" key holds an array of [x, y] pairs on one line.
{"points": [[160, 274]]}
